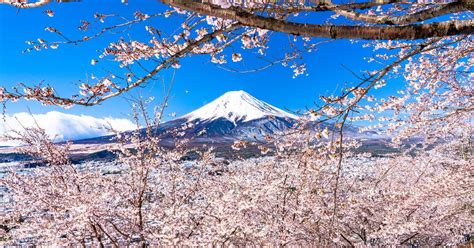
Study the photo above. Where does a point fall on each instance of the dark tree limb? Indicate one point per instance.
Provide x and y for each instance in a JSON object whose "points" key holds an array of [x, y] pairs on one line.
{"points": [[408, 32]]}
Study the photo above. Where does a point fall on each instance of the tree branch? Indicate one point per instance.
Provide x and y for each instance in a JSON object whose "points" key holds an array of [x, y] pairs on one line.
{"points": [[52, 98], [439, 10], [409, 32]]}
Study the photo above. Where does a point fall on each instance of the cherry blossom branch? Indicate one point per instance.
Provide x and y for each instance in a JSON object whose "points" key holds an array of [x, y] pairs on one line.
{"points": [[410, 32], [46, 95], [423, 15], [41, 43]]}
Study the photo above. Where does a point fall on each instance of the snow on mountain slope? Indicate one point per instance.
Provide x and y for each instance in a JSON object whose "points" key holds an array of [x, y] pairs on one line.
{"points": [[236, 106]]}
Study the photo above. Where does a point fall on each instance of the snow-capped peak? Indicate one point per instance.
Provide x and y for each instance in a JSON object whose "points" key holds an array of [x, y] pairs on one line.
{"points": [[237, 106]]}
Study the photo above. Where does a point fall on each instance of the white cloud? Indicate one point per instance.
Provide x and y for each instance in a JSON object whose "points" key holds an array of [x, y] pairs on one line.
{"points": [[63, 126]]}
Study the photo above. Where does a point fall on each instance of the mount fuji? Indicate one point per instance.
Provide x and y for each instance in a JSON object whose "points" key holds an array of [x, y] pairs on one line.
{"points": [[236, 107], [234, 115]]}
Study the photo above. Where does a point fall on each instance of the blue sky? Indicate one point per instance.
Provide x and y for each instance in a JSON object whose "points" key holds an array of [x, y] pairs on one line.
{"points": [[202, 80]]}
